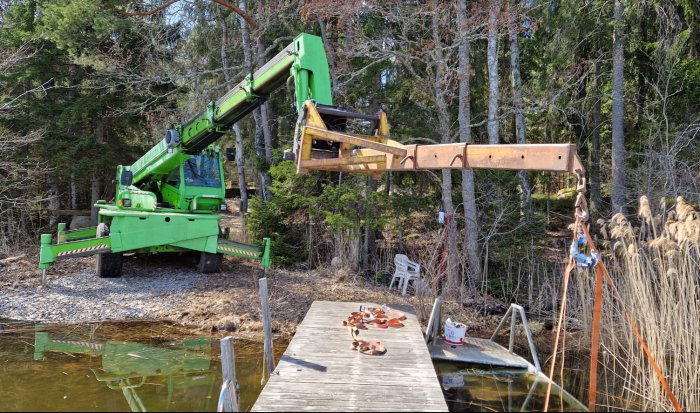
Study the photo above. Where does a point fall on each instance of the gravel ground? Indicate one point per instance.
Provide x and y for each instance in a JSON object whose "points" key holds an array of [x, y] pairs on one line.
{"points": [[166, 287], [84, 296], [169, 288]]}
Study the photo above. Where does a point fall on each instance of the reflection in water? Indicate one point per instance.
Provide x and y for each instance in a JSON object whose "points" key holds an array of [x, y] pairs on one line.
{"points": [[470, 389], [126, 366], [135, 366]]}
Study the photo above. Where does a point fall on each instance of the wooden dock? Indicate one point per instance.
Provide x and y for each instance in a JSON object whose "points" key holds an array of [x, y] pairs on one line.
{"points": [[320, 372]]}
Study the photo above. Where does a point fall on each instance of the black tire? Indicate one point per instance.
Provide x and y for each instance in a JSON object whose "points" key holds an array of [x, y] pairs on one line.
{"points": [[109, 264], [209, 263]]}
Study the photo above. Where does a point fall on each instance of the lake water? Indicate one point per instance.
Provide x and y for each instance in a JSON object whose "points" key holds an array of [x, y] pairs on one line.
{"points": [[470, 388], [155, 366], [118, 367]]}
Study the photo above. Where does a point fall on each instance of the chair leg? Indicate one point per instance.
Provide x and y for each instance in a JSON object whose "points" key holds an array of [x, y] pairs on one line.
{"points": [[405, 284]]}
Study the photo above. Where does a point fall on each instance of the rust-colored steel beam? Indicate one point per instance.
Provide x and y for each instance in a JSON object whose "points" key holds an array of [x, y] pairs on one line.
{"points": [[530, 157], [376, 154]]}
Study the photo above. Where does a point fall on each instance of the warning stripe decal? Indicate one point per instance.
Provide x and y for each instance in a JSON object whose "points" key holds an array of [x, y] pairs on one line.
{"points": [[82, 250], [92, 346], [238, 251]]}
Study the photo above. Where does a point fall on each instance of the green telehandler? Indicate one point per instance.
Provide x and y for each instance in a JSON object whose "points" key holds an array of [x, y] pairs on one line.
{"points": [[170, 199]]}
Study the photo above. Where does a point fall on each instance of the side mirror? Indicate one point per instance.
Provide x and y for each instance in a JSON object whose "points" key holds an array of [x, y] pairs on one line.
{"points": [[126, 178], [231, 154]]}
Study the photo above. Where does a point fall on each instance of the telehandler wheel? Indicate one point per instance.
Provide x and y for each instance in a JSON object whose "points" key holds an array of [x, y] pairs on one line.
{"points": [[109, 264], [209, 263]]}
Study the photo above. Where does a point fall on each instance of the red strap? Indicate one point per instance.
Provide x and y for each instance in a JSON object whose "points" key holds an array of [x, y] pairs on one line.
{"points": [[595, 335]]}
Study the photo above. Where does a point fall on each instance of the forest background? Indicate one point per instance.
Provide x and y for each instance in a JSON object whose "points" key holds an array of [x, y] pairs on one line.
{"points": [[86, 85]]}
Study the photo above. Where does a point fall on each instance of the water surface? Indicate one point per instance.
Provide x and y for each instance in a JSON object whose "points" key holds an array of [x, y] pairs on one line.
{"points": [[118, 367], [470, 388]]}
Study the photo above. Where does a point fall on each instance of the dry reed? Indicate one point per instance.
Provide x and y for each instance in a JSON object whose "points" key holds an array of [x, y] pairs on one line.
{"points": [[658, 278]]}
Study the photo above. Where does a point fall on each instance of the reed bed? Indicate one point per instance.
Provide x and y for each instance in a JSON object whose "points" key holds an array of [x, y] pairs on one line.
{"points": [[655, 264]]}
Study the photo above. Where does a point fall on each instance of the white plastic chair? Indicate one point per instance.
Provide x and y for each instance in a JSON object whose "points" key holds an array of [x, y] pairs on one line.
{"points": [[406, 271]]}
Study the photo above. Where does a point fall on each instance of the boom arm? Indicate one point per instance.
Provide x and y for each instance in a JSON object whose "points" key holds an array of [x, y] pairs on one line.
{"points": [[305, 59]]}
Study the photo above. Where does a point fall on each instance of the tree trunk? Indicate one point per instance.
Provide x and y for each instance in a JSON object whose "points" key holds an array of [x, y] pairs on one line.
{"points": [[369, 239], [451, 271], [241, 170], [265, 109], [492, 60], [96, 183], [53, 182], [236, 128], [53, 198], [224, 46], [596, 198], [73, 192], [526, 193], [618, 113], [330, 53], [263, 176], [471, 227]]}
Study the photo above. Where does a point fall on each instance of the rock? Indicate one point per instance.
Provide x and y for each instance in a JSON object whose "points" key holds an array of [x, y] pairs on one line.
{"points": [[79, 221], [336, 262], [537, 327], [228, 323]]}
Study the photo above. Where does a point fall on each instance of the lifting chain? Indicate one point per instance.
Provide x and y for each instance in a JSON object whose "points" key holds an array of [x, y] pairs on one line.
{"points": [[582, 215]]}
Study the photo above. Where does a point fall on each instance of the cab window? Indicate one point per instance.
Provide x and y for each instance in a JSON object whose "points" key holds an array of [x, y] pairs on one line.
{"points": [[202, 170]]}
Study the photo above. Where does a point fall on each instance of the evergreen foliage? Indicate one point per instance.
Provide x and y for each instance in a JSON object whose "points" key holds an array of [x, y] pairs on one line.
{"points": [[100, 88]]}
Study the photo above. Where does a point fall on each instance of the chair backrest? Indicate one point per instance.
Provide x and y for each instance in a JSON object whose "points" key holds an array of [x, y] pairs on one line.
{"points": [[412, 266], [401, 262]]}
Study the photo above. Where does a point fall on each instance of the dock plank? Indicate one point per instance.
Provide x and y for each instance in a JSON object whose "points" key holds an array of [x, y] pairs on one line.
{"points": [[320, 372]]}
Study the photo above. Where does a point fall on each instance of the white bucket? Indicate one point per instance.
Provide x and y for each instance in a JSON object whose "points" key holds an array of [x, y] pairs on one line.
{"points": [[454, 333]]}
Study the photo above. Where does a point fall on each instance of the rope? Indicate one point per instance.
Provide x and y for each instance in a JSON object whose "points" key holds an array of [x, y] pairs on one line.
{"points": [[562, 312], [448, 218]]}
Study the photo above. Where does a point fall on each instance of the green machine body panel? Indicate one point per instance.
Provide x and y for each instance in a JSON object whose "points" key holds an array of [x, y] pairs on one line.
{"points": [[170, 199], [132, 230]]}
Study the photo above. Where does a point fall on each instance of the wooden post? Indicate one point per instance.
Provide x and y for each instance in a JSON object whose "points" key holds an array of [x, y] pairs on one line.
{"points": [[229, 390], [511, 343], [433, 328], [267, 327]]}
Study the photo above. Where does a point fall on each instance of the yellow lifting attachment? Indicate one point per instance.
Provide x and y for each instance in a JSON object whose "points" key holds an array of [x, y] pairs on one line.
{"points": [[374, 154]]}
